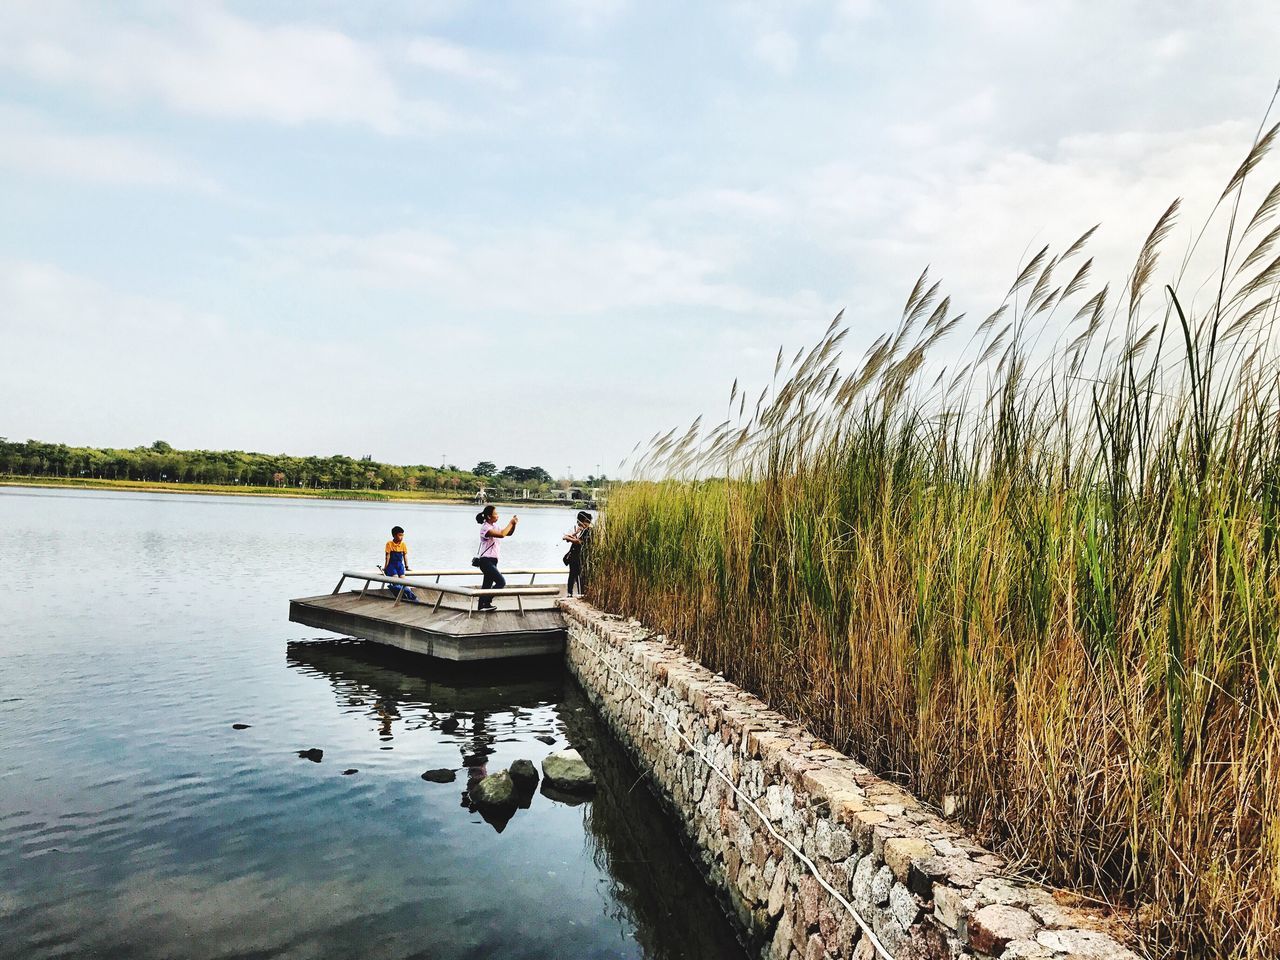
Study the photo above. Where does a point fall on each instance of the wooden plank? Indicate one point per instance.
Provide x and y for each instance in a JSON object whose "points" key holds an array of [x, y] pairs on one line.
{"points": [[446, 633]]}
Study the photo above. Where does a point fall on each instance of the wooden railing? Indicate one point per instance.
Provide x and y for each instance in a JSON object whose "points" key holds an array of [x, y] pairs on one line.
{"points": [[414, 578]]}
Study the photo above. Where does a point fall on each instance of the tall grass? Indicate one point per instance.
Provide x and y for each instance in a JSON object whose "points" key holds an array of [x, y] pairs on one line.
{"points": [[1041, 580]]}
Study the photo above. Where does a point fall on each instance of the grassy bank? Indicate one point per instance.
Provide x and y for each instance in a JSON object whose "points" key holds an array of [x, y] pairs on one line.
{"points": [[235, 490], [1041, 580]]}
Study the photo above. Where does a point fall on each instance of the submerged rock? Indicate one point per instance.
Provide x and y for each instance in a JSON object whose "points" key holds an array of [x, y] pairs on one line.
{"points": [[348, 772], [563, 796], [443, 775], [496, 792], [315, 754], [567, 771], [240, 726], [546, 738], [449, 724], [525, 775]]}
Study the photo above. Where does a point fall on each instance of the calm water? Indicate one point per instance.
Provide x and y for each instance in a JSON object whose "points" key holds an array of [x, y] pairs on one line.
{"points": [[135, 822]]}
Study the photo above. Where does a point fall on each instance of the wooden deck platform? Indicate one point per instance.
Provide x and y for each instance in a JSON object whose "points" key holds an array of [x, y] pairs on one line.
{"points": [[446, 633]]}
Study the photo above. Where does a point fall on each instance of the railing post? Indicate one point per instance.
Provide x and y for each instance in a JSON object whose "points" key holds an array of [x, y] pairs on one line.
{"points": [[341, 581]]}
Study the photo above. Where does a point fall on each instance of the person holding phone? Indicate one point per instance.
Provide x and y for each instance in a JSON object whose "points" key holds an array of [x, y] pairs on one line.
{"points": [[578, 538], [486, 557]]}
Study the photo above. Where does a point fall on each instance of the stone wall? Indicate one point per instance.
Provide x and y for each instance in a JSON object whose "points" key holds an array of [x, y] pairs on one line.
{"points": [[918, 883]]}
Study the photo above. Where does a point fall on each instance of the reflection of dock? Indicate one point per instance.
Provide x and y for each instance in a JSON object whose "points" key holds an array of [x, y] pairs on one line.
{"points": [[526, 623]]}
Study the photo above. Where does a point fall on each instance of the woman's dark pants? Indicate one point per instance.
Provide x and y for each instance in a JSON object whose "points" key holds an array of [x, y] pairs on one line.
{"points": [[492, 578], [575, 577]]}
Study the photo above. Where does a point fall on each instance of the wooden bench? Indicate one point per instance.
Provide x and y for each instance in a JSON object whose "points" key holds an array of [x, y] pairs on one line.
{"points": [[413, 579]]}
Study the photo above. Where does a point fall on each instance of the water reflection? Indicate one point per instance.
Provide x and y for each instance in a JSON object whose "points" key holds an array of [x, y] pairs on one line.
{"points": [[652, 892], [154, 805]]}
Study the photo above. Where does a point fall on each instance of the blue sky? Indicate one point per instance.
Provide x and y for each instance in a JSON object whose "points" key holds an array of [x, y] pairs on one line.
{"points": [[537, 232]]}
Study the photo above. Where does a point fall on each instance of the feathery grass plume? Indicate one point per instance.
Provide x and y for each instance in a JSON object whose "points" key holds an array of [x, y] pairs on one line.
{"points": [[1080, 242], [1055, 596], [1251, 161], [1261, 250], [1029, 270], [1041, 287], [1268, 206], [1078, 280], [1148, 256]]}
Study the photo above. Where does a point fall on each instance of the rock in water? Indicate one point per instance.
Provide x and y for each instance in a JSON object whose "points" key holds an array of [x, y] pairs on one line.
{"points": [[240, 726], [525, 775], [449, 724], [547, 739], [315, 754], [567, 771], [349, 772], [495, 792], [442, 775]]}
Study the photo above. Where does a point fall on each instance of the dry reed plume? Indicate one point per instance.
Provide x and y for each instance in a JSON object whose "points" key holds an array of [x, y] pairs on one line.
{"points": [[1045, 581]]}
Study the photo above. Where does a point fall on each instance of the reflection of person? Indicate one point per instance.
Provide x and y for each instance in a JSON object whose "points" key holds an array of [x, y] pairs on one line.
{"points": [[387, 712], [477, 761], [578, 538], [396, 561], [487, 555]]}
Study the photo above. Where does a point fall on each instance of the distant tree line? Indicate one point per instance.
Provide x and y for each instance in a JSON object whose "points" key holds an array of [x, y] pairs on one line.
{"points": [[161, 462]]}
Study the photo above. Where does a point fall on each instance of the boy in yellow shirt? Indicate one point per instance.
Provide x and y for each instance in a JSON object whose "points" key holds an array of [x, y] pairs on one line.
{"points": [[396, 561]]}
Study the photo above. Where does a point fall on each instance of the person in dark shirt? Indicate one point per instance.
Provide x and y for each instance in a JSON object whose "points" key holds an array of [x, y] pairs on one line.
{"points": [[578, 538]]}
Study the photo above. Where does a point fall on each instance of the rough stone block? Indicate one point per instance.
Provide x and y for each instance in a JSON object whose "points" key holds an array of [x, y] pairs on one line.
{"points": [[828, 925], [1084, 945], [1026, 950], [881, 884], [904, 905], [831, 841], [860, 887], [778, 891], [863, 825], [1008, 893], [814, 949], [950, 906], [781, 942], [900, 852], [811, 897], [993, 927], [1057, 917]]}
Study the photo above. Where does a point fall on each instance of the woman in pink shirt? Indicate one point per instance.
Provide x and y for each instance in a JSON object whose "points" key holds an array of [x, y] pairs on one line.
{"points": [[487, 555]]}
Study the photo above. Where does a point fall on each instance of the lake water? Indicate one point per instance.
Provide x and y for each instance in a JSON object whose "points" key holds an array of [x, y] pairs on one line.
{"points": [[136, 822]]}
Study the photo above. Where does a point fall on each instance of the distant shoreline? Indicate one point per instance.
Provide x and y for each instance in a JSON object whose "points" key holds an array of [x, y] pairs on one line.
{"points": [[220, 490]]}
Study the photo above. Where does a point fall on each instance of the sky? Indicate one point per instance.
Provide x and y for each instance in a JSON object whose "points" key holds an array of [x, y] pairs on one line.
{"points": [[535, 233]]}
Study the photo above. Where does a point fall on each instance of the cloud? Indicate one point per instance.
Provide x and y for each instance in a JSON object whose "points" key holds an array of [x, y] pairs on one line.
{"points": [[777, 49], [32, 147], [588, 15], [591, 266], [202, 60], [460, 62]]}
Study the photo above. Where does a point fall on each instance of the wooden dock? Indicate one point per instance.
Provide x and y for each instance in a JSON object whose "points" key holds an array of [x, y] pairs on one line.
{"points": [[442, 623]]}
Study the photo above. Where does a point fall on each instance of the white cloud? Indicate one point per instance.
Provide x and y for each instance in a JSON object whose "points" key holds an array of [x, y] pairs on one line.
{"points": [[588, 15], [202, 60], [32, 147], [460, 62], [583, 268], [777, 49]]}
